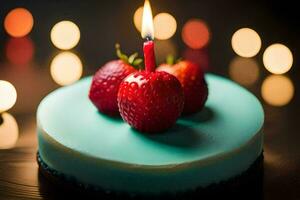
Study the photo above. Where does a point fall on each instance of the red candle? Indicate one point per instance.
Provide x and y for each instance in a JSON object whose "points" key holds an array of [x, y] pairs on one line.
{"points": [[149, 56], [148, 34]]}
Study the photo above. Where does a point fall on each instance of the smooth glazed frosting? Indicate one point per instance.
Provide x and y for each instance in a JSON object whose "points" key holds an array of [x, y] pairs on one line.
{"points": [[216, 144]]}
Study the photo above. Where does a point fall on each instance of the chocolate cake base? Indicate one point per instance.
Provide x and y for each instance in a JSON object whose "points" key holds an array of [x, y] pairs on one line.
{"points": [[247, 185]]}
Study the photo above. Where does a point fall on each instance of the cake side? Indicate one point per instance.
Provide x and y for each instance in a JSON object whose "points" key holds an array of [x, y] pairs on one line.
{"points": [[130, 178], [194, 153]]}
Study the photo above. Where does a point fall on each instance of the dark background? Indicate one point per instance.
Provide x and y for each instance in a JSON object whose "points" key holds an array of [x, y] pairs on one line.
{"points": [[102, 24]]}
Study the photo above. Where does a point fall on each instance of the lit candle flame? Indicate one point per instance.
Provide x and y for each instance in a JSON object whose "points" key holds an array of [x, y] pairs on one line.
{"points": [[147, 23]]}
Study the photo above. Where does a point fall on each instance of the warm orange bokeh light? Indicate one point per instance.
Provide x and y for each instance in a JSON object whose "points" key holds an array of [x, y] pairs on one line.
{"points": [[9, 131], [195, 34], [198, 56], [277, 90], [165, 26], [137, 18], [244, 71], [18, 22], [19, 51]]}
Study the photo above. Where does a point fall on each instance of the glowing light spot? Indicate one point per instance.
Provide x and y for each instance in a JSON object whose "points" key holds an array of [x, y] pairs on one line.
{"points": [[18, 22], [66, 68], [246, 42], [9, 131], [272, 158], [198, 56], [32, 82], [195, 34], [8, 96], [137, 18], [19, 51], [244, 70], [278, 59], [65, 35], [165, 26], [277, 90], [147, 21], [163, 48]]}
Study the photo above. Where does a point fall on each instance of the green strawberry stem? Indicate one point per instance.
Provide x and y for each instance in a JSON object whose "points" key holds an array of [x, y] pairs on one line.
{"points": [[133, 59], [171, 59]]}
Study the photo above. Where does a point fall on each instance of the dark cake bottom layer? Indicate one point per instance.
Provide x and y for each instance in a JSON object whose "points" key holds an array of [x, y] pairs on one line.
{"points": [[247, 185]]}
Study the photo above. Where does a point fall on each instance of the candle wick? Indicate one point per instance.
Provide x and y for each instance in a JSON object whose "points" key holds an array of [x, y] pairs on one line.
{"points": [[1, 119], [148, 38]]}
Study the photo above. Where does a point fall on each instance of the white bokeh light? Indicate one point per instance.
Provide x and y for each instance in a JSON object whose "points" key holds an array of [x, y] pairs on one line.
{"points": [[278, 59], [165, 26], [8, 95], [66, 68], [246, 42], [65, 35]]}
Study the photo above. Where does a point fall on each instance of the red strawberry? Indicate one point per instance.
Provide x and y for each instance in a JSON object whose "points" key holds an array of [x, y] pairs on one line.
{"points": [[150, 101], [106, 81], [192, 80]]}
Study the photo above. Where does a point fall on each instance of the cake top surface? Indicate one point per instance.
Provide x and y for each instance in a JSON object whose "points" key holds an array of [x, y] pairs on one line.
{"points": [[231, 118]]}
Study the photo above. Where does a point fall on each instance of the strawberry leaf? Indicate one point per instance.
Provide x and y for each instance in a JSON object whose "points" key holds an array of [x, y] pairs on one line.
{"points": [[132, 58], [137, 62], [120, 54]]}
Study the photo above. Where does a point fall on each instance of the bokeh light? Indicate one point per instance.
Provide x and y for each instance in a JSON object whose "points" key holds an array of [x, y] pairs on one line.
{"points": [[18, 22], [9, 131], [165, 26], [277, 90], [19, 51], [8, 95], [272, 158], [198, 56], [195, 34], [137, 18], [33, 82], [66, 68], [244, 71], [65, 35], [278, 59], [164, 48], [246, 42], [147, 21]]}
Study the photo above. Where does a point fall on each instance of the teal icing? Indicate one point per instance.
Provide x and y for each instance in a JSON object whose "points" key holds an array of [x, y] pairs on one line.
{"points": [[221, 141]]}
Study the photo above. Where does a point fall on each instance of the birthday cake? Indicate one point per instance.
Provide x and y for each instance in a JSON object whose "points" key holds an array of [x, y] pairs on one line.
{"points": [[214, 145], [144, 130]]}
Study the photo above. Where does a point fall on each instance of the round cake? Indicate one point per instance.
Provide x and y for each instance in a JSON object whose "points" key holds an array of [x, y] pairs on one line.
{"points": [[217, 144]]}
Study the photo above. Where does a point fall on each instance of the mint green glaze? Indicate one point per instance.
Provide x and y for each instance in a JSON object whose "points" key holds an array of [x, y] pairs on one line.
{"points": [[220, 142]]}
